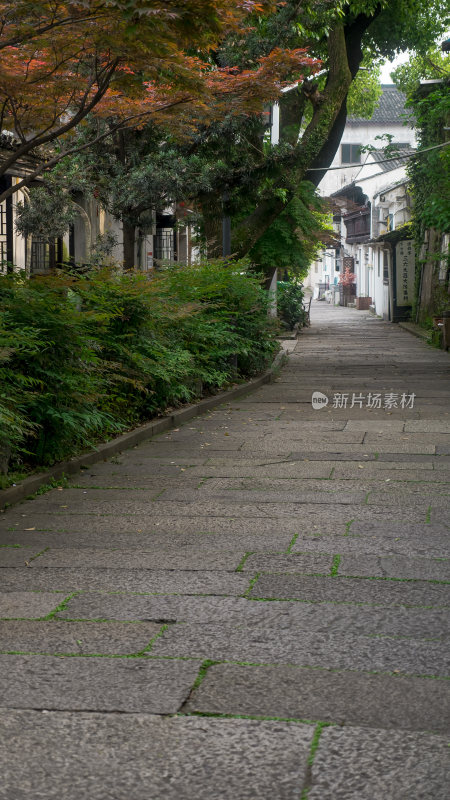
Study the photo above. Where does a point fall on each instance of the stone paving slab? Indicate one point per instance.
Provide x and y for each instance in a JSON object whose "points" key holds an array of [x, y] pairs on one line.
{"points": [[145, 757], [394, 459], [347, 590], [344, 698], [138, 460], [212, 516], [239, 540], [315, 435], [405, 530], [17, 556], [229, 507], [428, 426], [175, 454], [79, 638], [310, 649], [438, 513], [387, 425], [382, 446], [333, 487], [95, 605], [302, 563], [285, 427], [442, 464], [132, 480], [375, 437], [127, 468], [428, 546], [417, 494], [147, 513], [286, 470], [395, 567], [333, 472], [361, 764], [358, 620], [95, 684], [84, 524], [383, 472], [186, 559], [287, 496], [122, 580], [27, 604], [303, 411]]}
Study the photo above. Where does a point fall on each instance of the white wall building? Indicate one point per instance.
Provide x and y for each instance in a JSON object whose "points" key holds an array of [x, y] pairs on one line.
{"points": [[388, 118], [354, 181], [159, 236]]}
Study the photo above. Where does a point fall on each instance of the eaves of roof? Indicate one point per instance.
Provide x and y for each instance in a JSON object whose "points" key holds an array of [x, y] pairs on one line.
{"points": [[392, 237]]}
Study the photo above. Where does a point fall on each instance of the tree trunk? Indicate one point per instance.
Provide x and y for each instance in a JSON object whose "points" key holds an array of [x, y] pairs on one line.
{"points": [[326, 109], [318, 145], [129, 232], [212, 211]]}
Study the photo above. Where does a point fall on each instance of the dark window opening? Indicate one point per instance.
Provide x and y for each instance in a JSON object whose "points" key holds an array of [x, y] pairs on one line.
{"points": [[6, 229], [351, 153], [3, 238], [385, 266], [44, 255], [165, 244]]}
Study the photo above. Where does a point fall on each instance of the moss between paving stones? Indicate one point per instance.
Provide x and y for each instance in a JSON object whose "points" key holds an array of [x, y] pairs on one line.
{"points": [[292, 542], [312, 753], [243, 560], [259, 717]]}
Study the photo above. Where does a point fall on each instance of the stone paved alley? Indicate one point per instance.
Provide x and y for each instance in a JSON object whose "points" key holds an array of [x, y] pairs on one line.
{"points": [[252, 606]]}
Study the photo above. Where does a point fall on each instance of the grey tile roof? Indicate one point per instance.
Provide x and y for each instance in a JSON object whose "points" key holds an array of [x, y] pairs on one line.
{"points": [[391, 107], [379, 156]]}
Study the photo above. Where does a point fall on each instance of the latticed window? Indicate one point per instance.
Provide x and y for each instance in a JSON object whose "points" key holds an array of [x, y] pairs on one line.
{"points": [[39, 255], [3, 238], [164, 244], [43, 254]]}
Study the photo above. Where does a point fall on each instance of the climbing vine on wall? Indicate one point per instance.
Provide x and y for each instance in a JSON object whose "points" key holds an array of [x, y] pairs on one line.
{"points": [[430, 174]]}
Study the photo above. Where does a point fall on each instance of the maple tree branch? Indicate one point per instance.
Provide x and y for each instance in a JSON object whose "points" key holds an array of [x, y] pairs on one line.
{"points": [[22, 38], [44, 76], [122, 125], [83, 111]]}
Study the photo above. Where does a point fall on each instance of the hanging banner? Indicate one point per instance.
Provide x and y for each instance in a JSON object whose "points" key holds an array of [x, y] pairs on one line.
{"points": [[405, 266]]}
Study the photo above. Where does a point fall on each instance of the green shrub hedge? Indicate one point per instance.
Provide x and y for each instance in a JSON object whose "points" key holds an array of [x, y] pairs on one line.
{"points": [[290, 304], [83, 357]]}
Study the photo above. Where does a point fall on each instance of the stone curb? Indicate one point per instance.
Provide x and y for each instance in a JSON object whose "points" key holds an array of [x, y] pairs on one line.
{"points": [[420, 333], [14, 494]]}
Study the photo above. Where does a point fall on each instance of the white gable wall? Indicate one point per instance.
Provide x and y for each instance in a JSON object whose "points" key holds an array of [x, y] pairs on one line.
{"points": [[357, 133]]}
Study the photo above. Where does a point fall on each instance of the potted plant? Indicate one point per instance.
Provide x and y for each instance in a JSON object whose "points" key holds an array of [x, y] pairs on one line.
{"points": [[347, 280], [363, 302]]}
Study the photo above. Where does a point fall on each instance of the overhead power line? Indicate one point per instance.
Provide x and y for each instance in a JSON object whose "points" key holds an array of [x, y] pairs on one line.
{"points": [[383, 161]]}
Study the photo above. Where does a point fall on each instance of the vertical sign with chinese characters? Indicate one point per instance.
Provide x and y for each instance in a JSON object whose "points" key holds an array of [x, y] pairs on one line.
{"points": [[405, 269]]}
